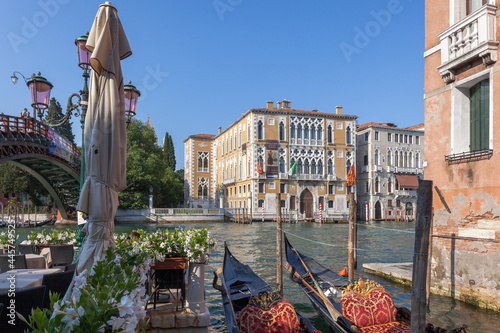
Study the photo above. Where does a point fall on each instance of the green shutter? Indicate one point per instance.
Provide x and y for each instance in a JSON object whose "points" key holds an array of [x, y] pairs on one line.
{"points": [[479, 116], [485, 115]]}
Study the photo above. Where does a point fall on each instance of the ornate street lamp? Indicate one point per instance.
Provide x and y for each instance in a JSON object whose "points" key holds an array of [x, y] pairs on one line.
{"points": [[131, 98], [40, 93]]}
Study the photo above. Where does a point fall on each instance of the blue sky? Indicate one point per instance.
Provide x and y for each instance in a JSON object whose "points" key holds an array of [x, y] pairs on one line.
{"points": [[200, 64]]}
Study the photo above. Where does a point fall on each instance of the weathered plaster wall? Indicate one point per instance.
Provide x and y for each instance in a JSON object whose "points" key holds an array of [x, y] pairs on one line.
{"points": [[469, 206]]}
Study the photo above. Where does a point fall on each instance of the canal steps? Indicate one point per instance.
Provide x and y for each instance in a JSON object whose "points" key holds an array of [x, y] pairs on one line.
{"points": [[397, 272]]}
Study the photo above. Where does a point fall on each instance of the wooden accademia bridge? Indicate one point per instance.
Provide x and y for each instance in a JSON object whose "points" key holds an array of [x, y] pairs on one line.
{"points": [[52, 159]]}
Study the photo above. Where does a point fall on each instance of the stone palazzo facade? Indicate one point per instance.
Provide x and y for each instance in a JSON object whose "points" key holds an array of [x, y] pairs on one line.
{"points": [[389, 162], [246, 165]]}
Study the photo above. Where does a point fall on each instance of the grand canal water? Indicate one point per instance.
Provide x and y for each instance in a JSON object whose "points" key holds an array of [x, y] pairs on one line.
{"points": [[255, 245]]}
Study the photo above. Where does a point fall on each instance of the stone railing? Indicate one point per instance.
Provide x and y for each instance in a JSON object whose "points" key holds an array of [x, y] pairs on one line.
{"points": [[229, 181], [406, 193], [283, 175], [472, 37], [309, 177], [399, 169], [332, 177]]}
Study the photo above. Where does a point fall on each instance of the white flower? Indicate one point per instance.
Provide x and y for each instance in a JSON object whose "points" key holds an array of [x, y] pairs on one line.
{"points": [[116, 323], [57, 308], [125, 306], [72, 317]]}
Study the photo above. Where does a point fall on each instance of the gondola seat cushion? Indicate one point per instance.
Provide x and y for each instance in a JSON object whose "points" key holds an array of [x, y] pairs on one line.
{"points": [[372, 313], [281, 317]]}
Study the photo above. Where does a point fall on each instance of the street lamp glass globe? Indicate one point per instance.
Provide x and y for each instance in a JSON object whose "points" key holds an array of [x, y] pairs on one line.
{"points": [[40, 91], [131, 98], [83, 54]]}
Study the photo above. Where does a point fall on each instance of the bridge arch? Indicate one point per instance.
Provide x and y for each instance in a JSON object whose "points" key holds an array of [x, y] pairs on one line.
{"points": [[47, 156]]}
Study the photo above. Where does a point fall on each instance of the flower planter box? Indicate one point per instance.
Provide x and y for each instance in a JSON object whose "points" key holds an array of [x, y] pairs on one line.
{"points": [[171, 263]]}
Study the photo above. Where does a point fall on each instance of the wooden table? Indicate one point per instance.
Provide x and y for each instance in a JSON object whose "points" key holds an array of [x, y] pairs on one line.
{"points": [[24, 278]]}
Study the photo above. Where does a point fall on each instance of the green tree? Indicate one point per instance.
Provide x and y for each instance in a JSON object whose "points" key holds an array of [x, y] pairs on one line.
{"points": [[146, 166], [13, 179], [53, 114], [169, 151]]}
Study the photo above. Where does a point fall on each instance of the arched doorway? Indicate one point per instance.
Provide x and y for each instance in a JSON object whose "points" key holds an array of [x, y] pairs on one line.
{"points": [[378, 211], [306, 204]]}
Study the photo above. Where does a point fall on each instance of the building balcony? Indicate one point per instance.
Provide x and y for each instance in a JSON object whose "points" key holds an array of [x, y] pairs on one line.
{"points": [[391, 168], [472, 37], [229, 181], [307, 142], [406, 193], [283, 175], [309, 177], [377, 168], [203, 170], [398, 169], [364, 168], [332, 177]]}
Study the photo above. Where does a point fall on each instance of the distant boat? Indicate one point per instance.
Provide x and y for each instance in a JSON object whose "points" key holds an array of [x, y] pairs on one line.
{"points": [[26, 224], [240, 285], [44, 222]]}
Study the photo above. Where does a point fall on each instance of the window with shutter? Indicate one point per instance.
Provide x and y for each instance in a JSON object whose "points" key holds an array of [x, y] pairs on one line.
{"points": [[479, 116]]}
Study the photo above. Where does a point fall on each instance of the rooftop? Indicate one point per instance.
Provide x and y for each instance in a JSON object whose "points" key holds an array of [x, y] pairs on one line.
{"points": [[390, 126]]}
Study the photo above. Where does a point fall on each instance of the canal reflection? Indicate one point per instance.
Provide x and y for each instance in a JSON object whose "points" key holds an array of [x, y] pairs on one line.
{"points": [[384, 242]]}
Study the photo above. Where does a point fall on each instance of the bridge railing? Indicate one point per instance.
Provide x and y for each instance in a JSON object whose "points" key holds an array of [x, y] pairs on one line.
{"points": [[31, 130]]}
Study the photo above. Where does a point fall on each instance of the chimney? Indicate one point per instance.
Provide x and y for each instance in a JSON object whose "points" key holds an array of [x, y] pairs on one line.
{"points": [[338, 109], [270, 105], [278, 105], [220, 129]]}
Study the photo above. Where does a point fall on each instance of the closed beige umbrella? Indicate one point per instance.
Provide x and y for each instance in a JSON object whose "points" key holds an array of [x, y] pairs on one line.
{"points": [[105, 135]]}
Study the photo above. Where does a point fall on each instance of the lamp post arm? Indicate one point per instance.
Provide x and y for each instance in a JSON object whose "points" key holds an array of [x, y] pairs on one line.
{"points": [[69, 112], [13, 77]]}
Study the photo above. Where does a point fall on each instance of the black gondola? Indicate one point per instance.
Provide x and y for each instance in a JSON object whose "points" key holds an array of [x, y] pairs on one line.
{"points": [[44, 222], [324, 289], [240, 284]]}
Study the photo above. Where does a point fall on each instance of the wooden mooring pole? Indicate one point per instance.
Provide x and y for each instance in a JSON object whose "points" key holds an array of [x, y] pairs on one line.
{"points": [[352, 245], [279, 245], [421, 256]]}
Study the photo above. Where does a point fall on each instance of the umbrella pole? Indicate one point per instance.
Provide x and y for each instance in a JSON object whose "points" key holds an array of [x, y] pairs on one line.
{"points": [[85, 97]]}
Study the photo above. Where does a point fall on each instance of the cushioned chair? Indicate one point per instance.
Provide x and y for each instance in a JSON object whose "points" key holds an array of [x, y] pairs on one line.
{"points": [[26, 249], [267, 312], [70, 267], [61, 255], [6, 264], [56, 283], [25, 301], [370, 308]]}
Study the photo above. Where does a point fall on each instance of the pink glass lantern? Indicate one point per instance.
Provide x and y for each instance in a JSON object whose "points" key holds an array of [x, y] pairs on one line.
{"points": [[83, 53], [40, 91], [131, 97]]}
